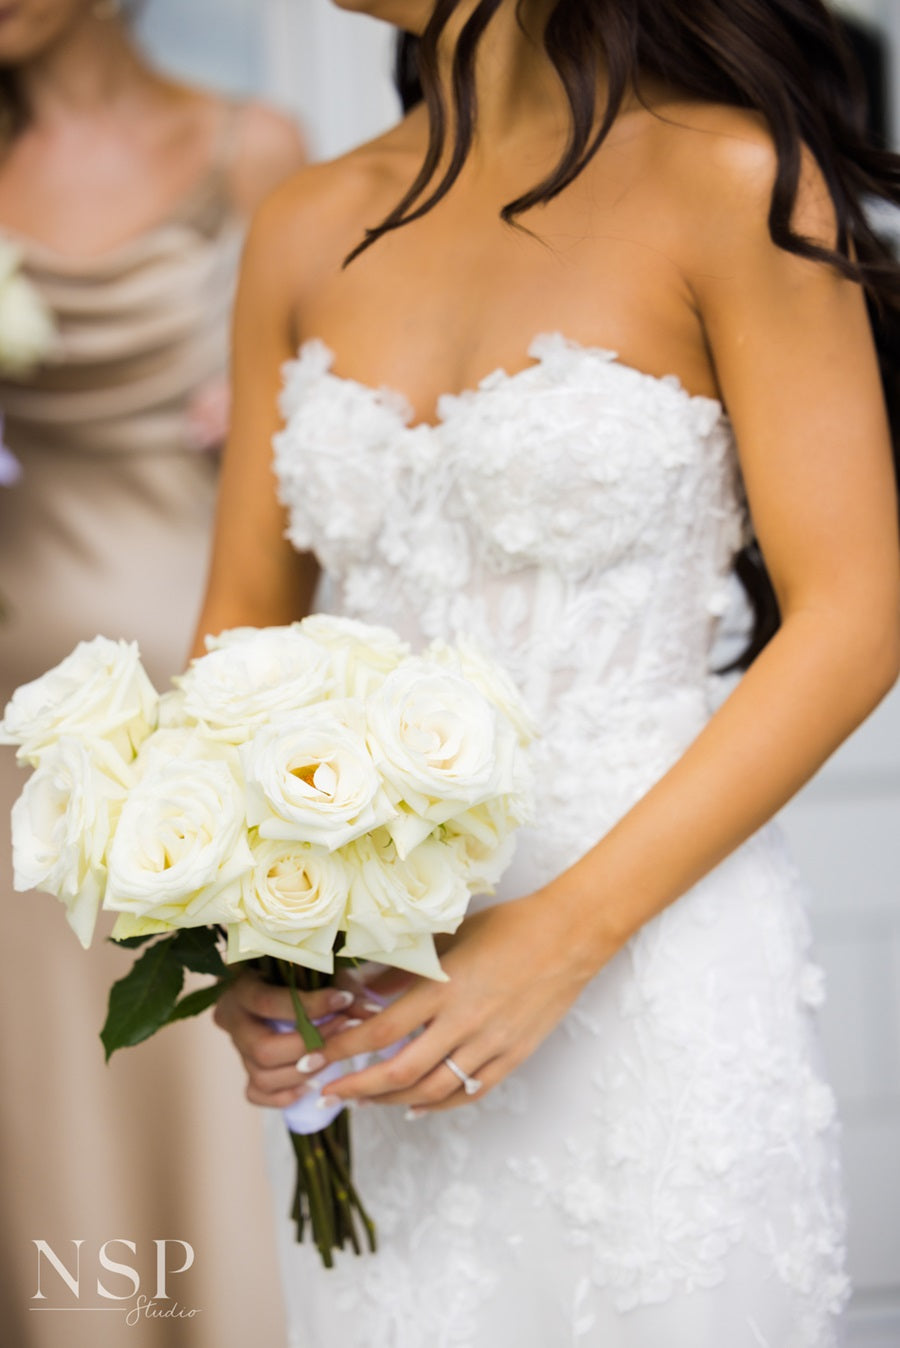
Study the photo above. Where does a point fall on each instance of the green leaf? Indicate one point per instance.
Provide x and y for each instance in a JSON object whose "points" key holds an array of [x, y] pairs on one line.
{"points": [[142, 1001], [195, 947], [196, 1002]]}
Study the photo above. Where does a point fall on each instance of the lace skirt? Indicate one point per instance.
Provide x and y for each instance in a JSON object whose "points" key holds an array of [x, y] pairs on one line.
{"points": [[662, 1171]]}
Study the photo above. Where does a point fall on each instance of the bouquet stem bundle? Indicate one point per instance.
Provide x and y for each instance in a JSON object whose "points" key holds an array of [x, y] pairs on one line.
{"points": [[325, 1196]]}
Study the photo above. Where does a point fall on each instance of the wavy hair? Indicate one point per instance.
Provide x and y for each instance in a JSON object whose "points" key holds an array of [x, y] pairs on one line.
{"points": [[785, 59]]}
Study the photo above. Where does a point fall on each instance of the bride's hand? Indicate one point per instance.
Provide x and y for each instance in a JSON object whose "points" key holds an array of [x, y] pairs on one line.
{"points": [[514, 969], [271, 1058]]}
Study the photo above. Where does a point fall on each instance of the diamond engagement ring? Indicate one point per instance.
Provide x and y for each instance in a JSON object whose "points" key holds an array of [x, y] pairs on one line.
{"points": [[471, 1085]]}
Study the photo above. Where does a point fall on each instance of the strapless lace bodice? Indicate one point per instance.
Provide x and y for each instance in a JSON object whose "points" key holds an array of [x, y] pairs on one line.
{"points": [[578, 519], [661, 1171]]}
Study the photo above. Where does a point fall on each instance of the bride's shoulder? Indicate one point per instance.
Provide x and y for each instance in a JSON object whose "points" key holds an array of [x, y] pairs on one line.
{"points": [[714, 168], [712, 171], [320, 213]]}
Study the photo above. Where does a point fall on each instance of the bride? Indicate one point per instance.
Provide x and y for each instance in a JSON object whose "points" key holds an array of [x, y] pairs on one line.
{"points": [[603, 324]]}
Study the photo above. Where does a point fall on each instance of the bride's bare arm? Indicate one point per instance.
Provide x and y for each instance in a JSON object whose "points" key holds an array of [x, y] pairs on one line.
{"points": [[796, 362], [256, 578], [798, 372]]}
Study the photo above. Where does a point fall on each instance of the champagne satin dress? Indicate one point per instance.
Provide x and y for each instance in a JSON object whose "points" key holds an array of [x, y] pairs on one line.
{"points": [[108, 531]]}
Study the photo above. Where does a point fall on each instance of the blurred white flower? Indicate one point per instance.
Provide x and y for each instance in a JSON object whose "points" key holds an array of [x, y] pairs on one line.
{"points": [[27, 330]]}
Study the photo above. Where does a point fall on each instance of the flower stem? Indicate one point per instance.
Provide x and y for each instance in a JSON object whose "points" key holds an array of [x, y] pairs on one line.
{"points": [[312, 1039], [337, 1156], [319, 1207]]}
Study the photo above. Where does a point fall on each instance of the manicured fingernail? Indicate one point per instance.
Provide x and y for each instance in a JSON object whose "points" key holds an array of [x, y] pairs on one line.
{"points": [[340, 999], [311, 1062], [351, 1024], [412, 1114], [328, 1101], [372, 1006]]}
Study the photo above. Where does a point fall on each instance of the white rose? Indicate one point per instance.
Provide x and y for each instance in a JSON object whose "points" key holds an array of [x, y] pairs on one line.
{"points": [[27, 330], [99, 691], [292, 903], [252, 675], [180, 848], [170, 713], [396, 904], [182, 742], [61, 826], [310, 777], [440, 747], [484, 839], [10, 257], [471, 663], [361, 653]]}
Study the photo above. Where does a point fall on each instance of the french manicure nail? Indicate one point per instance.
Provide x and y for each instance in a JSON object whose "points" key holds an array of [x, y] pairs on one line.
{"points": [[328, 1101], [340, 999], [372, 1006], [351, 1024], [412, 1114], [311, 1062]]}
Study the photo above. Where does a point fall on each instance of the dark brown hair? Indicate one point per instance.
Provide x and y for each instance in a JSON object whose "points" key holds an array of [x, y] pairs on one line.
{"points": [[12, 112], [786, 59]]}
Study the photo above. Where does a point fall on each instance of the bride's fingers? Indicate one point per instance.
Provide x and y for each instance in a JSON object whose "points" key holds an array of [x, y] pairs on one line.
{"points": [[280, 1099], [263, 1048], [385, 983], [441, 1087], [489, 1075], [268, 1081], [396, 1079], [266, 1002]]}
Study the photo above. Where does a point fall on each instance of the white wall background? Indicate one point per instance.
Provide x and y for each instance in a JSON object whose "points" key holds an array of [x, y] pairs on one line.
{"points": [[332, 69], [845, 829]]}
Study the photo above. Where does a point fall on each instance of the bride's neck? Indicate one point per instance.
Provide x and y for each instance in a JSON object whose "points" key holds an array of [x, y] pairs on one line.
{"points": [[519, 94]]}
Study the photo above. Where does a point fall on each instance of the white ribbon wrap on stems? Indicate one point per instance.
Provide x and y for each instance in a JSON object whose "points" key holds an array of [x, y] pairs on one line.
{"points": [[304, 1115]]}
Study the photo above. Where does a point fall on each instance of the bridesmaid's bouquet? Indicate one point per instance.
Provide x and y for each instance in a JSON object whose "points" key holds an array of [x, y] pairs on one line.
{"points": [[27, 335], [308, 798], [27, 329]]}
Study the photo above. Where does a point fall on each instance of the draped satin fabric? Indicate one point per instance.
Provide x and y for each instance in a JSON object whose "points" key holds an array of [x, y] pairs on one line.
{"points": [[108, 531]]}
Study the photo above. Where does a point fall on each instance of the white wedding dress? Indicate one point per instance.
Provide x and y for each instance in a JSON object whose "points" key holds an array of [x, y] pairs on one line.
{"points": [[662, 1172]]}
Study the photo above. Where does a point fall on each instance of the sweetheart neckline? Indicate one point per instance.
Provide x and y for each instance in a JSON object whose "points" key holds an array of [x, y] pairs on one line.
{"points": [[499, 376]]}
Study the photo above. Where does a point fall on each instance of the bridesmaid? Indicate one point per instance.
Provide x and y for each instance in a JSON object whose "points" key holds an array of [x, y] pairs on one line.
{"points": [[127, 194]]}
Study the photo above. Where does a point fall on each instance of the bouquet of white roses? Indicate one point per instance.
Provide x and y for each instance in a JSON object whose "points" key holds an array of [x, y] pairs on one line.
{"points": [[307, 797]]}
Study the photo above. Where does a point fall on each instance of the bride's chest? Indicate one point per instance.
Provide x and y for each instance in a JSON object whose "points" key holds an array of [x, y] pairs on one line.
{"points": [[576, 460]]}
